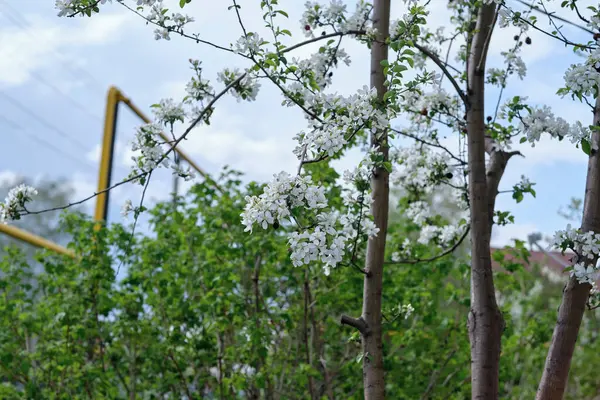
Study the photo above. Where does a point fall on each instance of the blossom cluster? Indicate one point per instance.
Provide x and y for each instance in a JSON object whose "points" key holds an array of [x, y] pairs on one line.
{"points": [[405, 310], [248, 44], [319, 64], [583, 79], [246, 89], [422, 174], [14, 204], [198, 88], [335, 15], [349, 115], [420, 168], [156, 15], [586, 246], [541, 120], [149, 147], [327, 238], [167, 112]]}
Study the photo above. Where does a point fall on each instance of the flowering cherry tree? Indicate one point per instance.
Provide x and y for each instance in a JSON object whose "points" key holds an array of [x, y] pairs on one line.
{"points": [[413, 78]]}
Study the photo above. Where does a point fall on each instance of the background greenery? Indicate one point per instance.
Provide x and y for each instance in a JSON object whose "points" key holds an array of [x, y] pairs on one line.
{"points": [[207, 311]]}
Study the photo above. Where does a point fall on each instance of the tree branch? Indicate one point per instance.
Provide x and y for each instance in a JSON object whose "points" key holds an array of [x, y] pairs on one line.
{"points": [[357, 323], [437, 257], [441, 65]]}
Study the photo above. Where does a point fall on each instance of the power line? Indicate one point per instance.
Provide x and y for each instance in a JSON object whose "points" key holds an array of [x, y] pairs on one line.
{"points": [[22, 23], [42, 121], [558, 17], [71, 100], [43, 142]]}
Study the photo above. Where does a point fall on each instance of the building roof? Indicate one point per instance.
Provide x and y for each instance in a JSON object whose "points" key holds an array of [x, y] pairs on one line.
{"points": [[550, 261]]}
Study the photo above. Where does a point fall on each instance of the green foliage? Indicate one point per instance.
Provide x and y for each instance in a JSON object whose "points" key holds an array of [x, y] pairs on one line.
{"points": [[205, 310]]}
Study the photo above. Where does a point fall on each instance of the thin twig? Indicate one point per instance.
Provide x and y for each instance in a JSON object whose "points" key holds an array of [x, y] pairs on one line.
{"points": [[437, 257], [433, 57]]}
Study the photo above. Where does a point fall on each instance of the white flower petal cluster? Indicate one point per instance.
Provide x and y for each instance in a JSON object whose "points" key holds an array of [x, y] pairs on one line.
{"points": [[127, 208], [420, 168], [14, 202], [584, 79], [354, 113], [281, 194], [436, 100], [319, 65], [424, 173], [334, 15], [167, 112], [514, 63], [326, 241], [496, 76], [542, 120], [594, 22], [64, 7], [246, 89], [586, 246], [405, 310], [404, 252], [167, 24], [149, 143], [248, 44]]}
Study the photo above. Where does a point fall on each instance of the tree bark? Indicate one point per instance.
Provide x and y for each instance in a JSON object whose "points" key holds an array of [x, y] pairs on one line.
{"points": [[575, 295], [369, 323], [485, 321], [372, 340]]}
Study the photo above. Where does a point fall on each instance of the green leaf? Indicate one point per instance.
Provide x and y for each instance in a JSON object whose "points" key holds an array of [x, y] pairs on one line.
{"points": [[586, 147]]}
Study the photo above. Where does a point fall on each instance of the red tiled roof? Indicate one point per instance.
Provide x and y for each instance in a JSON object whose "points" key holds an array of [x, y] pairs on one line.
{"points": [[556, 262]]}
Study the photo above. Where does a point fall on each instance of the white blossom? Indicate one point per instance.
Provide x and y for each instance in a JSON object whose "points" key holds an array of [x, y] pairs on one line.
{"points": [[248, 44], [169, 112], [127, 208], [15, 201]]}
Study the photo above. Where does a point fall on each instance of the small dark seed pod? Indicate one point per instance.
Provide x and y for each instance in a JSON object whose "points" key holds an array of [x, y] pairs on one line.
{"points": [[516, 37], [528, 40]]}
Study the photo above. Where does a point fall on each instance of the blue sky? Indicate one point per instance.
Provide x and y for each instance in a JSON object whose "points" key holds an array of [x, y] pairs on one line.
{"points": [[61, 68]]}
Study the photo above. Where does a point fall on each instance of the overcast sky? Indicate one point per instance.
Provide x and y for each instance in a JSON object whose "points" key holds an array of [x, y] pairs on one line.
{"points": [[55, 73]]}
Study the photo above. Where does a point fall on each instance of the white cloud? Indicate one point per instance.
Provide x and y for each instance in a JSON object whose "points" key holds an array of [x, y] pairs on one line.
{"points": [[33, 46], [259, 157], [8, 177]]}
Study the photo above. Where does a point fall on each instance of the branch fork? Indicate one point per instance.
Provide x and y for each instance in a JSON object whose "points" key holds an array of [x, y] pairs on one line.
{"points": [[359, 323]]}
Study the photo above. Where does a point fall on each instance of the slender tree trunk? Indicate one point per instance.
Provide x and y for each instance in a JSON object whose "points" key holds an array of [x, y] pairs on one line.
{"points": [[485, 321], [369, 324], [372, 341], [307, 344], [575, 295]]}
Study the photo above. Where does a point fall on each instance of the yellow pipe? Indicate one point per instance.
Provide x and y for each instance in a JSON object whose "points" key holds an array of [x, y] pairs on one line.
{"points": [[182, 154], [114, 96], [34, 239], [108, 140]]}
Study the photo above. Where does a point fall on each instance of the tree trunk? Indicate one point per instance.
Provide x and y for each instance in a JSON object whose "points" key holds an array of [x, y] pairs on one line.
{"points": [[575, 295], [369, 323], [485, 321], [372, 341]]}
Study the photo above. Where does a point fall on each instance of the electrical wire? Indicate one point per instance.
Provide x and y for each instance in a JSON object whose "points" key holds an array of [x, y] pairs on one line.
{"points": [[42, 121], [44, 142], [21, 22]]}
